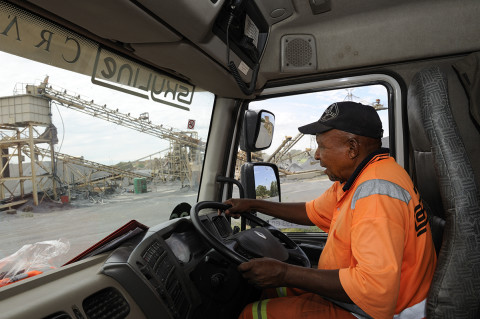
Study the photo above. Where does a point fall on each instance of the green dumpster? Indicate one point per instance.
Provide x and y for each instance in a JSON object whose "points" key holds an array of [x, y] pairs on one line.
{"points": [[140, 185]]}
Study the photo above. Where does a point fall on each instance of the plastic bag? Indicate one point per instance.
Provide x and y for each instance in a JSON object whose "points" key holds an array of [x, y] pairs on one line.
{"points": [[31, 260]]}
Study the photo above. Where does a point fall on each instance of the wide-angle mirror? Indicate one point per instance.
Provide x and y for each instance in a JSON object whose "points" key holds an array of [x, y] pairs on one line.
{"points": [[261, 181]]}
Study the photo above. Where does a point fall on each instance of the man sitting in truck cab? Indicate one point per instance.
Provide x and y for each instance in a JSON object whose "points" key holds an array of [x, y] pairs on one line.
{"points": [[379, 257]]}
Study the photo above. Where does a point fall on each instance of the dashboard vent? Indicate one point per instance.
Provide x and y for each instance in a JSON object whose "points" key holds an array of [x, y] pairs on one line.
{"points": [[153, 253], [209, 226], [179, 300], [167, 285], [222, 226], [58, 315], [106, 304]]}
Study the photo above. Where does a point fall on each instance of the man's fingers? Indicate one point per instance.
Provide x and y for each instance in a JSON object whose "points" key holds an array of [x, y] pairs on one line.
{"points": [[243, 267], [234, 215], [250, 274]]}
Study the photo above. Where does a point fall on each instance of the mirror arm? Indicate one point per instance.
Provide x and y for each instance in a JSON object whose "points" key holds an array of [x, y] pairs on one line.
{"points": [[223, 179]]}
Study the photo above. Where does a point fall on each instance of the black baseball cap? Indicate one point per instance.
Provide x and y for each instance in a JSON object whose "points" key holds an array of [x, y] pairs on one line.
{"points": [[347, 116]]}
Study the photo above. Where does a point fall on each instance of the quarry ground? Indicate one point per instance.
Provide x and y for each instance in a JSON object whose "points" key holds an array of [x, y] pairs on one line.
{"points": [[84, 221]]}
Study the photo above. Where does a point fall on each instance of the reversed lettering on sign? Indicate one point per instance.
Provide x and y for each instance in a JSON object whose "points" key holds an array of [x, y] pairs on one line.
{"points": [[120, 74]]}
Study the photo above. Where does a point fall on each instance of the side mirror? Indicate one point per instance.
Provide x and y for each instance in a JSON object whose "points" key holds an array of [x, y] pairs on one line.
{"points": [[261, 180], [257, 130]]}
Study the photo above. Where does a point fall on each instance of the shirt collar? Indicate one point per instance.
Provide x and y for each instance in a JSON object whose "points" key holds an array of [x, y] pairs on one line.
{"points": [[363, 164]]}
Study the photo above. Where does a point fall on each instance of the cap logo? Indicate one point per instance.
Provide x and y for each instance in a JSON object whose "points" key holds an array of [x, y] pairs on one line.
{"points": [[330, 113]]}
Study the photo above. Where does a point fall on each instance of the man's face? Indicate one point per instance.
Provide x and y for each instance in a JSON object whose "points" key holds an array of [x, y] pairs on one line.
{"points": [[333, 154]]}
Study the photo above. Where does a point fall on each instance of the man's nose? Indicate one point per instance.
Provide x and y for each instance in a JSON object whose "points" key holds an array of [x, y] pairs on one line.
{"points": [[317, 155]]}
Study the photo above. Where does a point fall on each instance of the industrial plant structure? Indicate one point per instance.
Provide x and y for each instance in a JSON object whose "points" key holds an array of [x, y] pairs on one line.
{"points": [[30, 164]]}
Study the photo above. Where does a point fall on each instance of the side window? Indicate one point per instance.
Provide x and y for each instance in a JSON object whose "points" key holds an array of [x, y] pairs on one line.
{"points": [[301, 176]]}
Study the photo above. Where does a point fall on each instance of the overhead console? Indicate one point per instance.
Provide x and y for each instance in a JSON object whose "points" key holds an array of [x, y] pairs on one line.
{"points": [[246, 28], [233, 33], [243, 29], [193, 19]]}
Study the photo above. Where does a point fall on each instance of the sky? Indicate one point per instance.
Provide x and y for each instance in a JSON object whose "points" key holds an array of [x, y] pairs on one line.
{"points": [[312, 106], [108, 143]]}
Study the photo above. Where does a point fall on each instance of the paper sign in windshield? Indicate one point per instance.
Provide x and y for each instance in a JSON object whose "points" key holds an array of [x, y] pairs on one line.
{"points": [[118, 73]]}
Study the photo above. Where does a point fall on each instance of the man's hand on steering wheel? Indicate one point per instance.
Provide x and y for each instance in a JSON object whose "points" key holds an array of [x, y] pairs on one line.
{"points": [[238, 206], [264, 272]]}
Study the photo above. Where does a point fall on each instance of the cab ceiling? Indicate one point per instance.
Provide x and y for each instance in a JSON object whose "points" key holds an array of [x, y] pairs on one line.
{"points": [[177, 34]]}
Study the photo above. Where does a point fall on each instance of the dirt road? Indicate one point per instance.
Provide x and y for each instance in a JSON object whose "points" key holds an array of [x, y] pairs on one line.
{"points": [[82, 223]]}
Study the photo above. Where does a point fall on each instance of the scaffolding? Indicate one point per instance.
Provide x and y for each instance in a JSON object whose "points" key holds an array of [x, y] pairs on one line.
{"points": [[22, 117]]}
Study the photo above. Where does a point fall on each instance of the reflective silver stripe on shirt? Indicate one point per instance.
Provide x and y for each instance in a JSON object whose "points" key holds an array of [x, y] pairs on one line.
{"points": [[380, 187], [417, 311]]}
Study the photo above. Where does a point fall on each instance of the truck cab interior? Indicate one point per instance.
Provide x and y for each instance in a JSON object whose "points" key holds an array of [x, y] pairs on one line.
{"points": [[253, 56]]}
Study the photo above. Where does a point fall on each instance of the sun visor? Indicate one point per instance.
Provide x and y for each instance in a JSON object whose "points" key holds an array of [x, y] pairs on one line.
{"points": [[45, 42], [119, 20]]}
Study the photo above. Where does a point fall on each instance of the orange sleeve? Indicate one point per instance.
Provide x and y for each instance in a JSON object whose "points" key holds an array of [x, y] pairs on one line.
{"points": [[377, 236], [320, 210]]}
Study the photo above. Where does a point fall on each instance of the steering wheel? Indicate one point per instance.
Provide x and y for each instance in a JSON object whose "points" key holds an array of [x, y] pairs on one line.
{"points": [[263, 241]]}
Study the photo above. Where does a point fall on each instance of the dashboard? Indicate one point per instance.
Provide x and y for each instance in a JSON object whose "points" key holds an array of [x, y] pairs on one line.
{"points": [[168, 271]]}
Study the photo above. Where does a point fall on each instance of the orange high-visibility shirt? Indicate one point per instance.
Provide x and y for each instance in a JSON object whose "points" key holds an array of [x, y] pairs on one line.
{"points": [[379, 238]]}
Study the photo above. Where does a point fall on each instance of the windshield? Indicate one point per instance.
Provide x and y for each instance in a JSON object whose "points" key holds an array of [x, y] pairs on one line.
{"points": [[89, 146]]}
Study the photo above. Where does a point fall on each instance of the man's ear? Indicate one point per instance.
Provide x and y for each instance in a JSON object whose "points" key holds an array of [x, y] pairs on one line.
{"points": [[354, 148]]}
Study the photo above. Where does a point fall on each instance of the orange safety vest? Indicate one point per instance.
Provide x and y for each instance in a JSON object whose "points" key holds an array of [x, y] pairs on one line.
{"points": [[379, 238]]}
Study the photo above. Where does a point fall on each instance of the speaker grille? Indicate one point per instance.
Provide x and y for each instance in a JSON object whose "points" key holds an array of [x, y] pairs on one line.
{"points": [[298, 53]]}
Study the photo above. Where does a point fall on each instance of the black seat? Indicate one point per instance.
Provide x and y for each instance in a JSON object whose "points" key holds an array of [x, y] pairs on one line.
{"points": [[448, 183]]}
